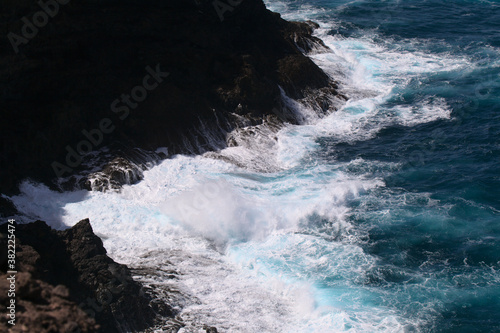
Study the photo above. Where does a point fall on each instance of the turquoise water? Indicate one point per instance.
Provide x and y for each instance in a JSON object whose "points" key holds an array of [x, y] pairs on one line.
{"points": [[381, 217], [434, 228]]}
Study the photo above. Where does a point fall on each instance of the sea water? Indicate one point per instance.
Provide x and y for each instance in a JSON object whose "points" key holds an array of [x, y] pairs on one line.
{"points": [[383, 216]]}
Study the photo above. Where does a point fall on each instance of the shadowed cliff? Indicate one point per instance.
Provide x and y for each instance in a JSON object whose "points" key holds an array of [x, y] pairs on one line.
{"points": [[143, 74]]}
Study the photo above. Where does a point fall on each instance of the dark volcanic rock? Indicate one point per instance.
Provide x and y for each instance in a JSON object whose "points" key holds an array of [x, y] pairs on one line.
{"points": [[64, 80], [114, 174], [210, 329], [7, 208], [43, 308], [66, 279]]}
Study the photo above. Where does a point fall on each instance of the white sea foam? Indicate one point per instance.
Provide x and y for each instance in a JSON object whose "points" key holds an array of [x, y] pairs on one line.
{"points": [[144, 225]]}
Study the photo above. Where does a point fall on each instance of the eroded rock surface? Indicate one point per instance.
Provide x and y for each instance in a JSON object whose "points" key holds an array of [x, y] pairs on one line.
{"points": [[74, 77], [66, 283]]}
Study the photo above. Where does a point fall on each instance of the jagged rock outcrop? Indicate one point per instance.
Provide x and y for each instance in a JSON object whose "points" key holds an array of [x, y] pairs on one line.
{"points": [[114, 174], [187, 65], [67, 283], [43, 308]]}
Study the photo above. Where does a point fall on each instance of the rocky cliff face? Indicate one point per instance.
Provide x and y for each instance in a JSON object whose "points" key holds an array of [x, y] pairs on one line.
{"points": [[76, 76], [84, 81], [67, 283]]}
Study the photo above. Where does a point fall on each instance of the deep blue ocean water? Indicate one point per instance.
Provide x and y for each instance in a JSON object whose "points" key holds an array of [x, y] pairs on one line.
{"points": [[381, 217], [435, 226]]}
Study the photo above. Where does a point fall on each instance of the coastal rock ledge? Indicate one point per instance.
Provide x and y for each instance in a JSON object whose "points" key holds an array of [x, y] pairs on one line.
{"points": [[67, 283], [197, 73]]}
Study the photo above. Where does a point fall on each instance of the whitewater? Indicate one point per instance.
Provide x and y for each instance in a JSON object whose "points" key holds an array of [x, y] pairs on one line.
{"points": [[280, 233]]}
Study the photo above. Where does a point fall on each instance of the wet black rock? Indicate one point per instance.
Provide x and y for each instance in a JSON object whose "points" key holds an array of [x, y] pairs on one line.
{"points": [[67, 90], [210, 329], [7, 208], [73, 265], [116, 173]]}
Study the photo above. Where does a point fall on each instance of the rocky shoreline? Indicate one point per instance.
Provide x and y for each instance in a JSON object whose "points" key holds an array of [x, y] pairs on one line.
{"points": [[89, 99], [67, 283], [104, 80]]}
